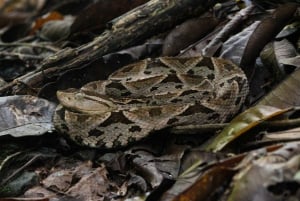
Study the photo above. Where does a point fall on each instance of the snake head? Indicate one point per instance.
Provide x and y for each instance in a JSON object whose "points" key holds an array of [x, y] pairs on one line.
{"points": [[76, 101]]}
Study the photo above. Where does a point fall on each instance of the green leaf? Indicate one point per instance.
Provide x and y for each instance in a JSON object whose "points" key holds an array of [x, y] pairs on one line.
{"points": [[242, 123]]}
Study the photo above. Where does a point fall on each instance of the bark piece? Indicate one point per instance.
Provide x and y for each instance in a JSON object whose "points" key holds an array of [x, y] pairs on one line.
{"points": [[136, 25]]}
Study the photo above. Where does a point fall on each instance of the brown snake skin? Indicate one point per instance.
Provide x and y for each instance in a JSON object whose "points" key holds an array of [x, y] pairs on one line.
{"points": [[150, 95]]}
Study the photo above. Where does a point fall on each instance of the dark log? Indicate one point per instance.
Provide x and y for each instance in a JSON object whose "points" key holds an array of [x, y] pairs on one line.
{"points": [[134, 26]]}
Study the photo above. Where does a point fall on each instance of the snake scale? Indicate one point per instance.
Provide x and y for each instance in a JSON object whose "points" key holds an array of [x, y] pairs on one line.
{"points": [[150, 95]]}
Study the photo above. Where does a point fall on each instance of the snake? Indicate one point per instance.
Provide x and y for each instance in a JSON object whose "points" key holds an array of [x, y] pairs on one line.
{"points": [[149, 95]]}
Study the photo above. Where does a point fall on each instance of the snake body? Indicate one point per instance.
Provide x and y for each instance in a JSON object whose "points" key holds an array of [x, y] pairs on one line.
{"points": [[150, 95]]}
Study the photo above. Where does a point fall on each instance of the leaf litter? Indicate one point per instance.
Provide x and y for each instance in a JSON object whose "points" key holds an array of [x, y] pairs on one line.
{"points": [[38, 36]]}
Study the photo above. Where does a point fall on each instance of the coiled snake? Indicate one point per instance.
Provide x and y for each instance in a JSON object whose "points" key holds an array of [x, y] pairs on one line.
{"points": [[150, 95]]}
